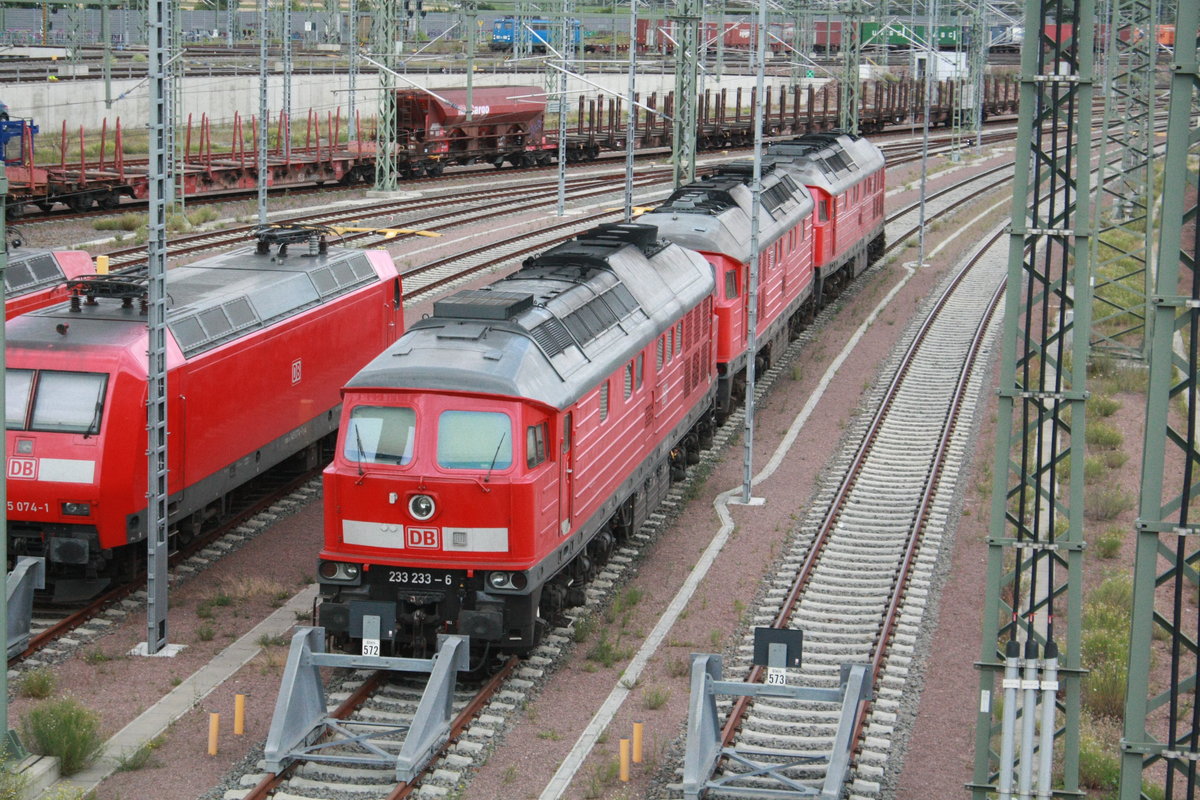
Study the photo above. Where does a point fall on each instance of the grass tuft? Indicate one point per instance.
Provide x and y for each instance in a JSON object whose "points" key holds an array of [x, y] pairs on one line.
{"points": [[1103, 502], [66, 730], [1102, 436], [655, 697], [123, 222], [38, 684], [141, 758]]}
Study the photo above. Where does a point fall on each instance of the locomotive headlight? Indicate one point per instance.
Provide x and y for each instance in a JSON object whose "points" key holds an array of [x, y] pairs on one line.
{"points": [[508, 580], [337, 571], [421, 506], [77, 509]]}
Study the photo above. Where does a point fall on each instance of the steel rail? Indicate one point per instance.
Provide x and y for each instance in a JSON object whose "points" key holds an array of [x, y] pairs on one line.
{"points": [[804, 575], [81, 616]]}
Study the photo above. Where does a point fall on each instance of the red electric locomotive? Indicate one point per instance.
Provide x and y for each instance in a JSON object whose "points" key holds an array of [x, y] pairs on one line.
{"points": [[258, 345], [37, 278], [489, 459]]}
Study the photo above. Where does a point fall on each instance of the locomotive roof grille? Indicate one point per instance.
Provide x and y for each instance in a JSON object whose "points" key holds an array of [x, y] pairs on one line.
{"points": [[483, 304], [553, 337], [775, 196], [712, 195], [824, 150], [270, 296], [31, 268]]}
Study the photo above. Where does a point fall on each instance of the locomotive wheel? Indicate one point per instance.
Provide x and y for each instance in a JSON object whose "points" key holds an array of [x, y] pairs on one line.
{"points": [[109, 200], [436, 169]]}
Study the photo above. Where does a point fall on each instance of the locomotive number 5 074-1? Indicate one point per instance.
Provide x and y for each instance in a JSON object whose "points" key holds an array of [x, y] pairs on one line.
{"points": [[418, 578]]}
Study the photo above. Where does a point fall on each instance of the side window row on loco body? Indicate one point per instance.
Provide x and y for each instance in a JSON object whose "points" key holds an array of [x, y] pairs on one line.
{"points": [[54, 401], [475, 440]]}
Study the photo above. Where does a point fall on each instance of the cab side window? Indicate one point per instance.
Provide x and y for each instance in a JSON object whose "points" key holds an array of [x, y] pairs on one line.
{"points": [[535, 444]]}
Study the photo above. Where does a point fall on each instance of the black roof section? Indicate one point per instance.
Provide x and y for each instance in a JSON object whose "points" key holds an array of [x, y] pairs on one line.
{"points": [[29, 270]]}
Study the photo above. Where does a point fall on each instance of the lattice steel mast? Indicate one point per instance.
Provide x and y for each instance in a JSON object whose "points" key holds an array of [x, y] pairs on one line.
{"points": [[567, 45], [849, 87], [285, 118], [386, 29], [1124, 209], [161, 51], [687, 53], [968, 95], [351, 42], [263, 115], [1036, 528], [174, 103], [1162, 719]]}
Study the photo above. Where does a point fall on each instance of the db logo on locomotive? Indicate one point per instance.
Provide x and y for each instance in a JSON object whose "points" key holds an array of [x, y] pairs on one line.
{"points": [[421, 537], [22, 468]]}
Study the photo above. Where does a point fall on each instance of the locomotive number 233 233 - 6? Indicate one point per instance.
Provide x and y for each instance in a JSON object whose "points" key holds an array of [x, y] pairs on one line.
{"points": [[417, 578]]}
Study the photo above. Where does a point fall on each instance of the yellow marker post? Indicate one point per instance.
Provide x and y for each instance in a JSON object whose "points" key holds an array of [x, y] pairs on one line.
{"points": [[637, 742], [624, 761], [239, 714], [214, 732], [101, 265]]}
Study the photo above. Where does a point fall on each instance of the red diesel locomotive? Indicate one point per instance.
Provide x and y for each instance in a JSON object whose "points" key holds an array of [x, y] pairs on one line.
{"points": [[804, 257], [258, 345], [38, 278], [488, 461]]}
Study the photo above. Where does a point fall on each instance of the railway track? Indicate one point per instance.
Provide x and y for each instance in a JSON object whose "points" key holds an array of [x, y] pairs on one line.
{"points": [[898, 152], [60, 628], [460, 208], [857, 576], [328, 782], [371, 698], [463, 208]]}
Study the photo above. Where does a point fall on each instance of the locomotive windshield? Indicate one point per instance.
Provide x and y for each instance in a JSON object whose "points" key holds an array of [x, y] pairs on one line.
{"points": [[474, 440], [380, 435], [58, 402]]}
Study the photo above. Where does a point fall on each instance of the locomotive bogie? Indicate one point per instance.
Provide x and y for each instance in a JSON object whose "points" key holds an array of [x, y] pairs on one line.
{"points": [[257, 347]]}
